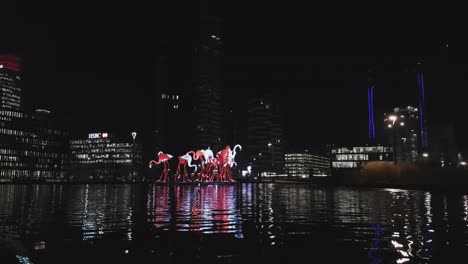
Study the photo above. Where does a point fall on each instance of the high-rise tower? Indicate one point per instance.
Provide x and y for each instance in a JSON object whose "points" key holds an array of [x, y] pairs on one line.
{"points": [[265, 133], [422, 107], [10, 91], [370, 106], [206, 100], [402, 127]]}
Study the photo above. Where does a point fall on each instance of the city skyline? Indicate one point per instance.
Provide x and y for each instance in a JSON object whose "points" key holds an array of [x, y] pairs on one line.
{"points": [[104, 73]]}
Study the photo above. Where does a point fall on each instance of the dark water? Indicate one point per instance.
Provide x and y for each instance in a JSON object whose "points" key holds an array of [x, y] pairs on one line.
{"points": [[272, 223]]}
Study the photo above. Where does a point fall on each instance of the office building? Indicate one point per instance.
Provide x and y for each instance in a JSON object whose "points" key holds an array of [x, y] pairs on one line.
{"points": [[305, 165], [10, 89], [171, 110], [265, 134], [31, 147], [403, 131], [356, 157], [207, 110], [105, 157]]}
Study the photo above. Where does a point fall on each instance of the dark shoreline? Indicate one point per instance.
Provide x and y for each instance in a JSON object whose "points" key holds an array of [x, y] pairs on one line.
{"points": [[448, 187], [323, 182]]}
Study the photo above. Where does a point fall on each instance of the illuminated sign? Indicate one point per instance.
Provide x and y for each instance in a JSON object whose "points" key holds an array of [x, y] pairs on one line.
{"points": [[97, 135]]}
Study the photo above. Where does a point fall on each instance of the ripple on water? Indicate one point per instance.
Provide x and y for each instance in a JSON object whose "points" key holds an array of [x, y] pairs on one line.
{"points": [[370, 225]]}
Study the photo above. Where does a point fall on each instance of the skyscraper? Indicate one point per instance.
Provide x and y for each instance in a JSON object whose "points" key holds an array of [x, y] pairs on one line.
{"points": [[207, 108], [10, 91], [265, 134], [171, 119], [32, 146]]}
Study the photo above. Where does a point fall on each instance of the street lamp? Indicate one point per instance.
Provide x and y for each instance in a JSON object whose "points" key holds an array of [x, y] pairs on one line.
{"points": [[393, 118]]}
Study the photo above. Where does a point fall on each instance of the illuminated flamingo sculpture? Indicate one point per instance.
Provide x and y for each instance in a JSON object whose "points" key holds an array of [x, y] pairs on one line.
{"points": [[214, 164], [206, 159], [199, 155], [162, 158], [183, 161], [223, 158], [231, 162]]}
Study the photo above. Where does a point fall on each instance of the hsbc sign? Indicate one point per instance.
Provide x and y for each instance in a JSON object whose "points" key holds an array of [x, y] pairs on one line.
{"points": [[97, 135]]}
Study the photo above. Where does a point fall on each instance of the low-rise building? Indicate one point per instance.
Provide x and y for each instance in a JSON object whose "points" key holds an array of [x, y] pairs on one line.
{"points": [[355, 157], [306, 165], [105, 157]]}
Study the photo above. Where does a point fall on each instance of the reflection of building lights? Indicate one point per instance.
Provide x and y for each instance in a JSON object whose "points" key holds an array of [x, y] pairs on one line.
{"points": [[396, 244], [402, 260]]}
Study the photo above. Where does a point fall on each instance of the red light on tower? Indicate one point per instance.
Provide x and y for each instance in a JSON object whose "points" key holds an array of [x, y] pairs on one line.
{"points": [[10, 62]]}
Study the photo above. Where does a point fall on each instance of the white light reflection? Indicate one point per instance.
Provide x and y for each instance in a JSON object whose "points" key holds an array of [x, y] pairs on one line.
{"points": [[402, 260], [396, 244], [465, 205]]}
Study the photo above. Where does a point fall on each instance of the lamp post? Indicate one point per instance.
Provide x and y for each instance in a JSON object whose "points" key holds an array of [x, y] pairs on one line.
{"points": [[393, 118], [134, 134], [270, 146]]}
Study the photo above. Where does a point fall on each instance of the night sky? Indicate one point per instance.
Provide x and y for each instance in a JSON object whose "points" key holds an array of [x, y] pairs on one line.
{"points": [[95, 63]]}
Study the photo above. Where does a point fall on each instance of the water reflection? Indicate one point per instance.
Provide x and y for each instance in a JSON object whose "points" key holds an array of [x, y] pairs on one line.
{"points": [[101, 209], [206, 209], [271, 220], [24, 208]]}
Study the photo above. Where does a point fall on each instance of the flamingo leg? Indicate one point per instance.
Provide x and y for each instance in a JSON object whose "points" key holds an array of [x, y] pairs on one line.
{"points": [[165, 171]]}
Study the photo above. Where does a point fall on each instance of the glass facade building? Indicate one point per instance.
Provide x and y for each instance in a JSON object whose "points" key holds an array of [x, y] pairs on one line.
{"points": [[103, 157], [305, 165], [355, 157], [10, 91], [31, 147]]}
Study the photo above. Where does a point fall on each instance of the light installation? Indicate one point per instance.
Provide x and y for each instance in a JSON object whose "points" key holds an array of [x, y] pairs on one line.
{"points": [[164, 159], [212, 168], [185, 160], [422, 109], [370, 101]]}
